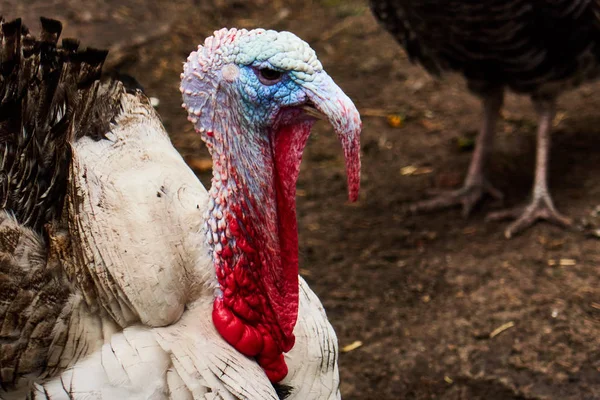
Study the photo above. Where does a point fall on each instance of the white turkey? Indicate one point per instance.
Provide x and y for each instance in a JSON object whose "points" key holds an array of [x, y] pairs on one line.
{"points": [[121, 277], [536, 47]]}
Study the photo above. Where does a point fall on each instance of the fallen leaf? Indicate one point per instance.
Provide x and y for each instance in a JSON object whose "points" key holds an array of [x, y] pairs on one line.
{"points": [[558, 118], [313, 227], [352, 346], [395, 120], [408, 170], [469, 230], [431, 126], [413, 170], [200, 164], [305, 272], [563, 262], [567, 262]]}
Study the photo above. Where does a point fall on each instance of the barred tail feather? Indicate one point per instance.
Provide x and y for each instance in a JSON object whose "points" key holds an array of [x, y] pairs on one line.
{"points": [[50, 96]]}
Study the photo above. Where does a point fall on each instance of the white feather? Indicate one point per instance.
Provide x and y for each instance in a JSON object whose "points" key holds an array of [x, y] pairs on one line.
{"points": [[137, 209], [190, 360]]}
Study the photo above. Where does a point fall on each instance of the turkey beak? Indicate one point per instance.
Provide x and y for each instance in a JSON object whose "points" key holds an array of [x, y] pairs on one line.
{"points": [[310, 110], [331, 103]]}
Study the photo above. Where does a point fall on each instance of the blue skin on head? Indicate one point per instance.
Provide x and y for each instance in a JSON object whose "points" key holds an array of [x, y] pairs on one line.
{"points": [[262, 102]]}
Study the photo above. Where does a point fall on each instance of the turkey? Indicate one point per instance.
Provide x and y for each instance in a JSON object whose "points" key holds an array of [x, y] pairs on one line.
{"points": [[121, 277], [536, 47]]}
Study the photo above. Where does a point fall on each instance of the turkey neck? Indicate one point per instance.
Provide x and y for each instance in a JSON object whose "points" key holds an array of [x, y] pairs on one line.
{"points": [[252, 232]]}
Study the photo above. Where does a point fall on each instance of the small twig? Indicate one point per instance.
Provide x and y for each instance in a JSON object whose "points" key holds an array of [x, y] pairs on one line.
{"points": [[501, 329], [374, 112], [352, 346], [338, 28]]}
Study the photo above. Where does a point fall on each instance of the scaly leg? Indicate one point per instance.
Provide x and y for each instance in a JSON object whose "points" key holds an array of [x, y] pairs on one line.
{"points": [[476, 184], [541, 206]]}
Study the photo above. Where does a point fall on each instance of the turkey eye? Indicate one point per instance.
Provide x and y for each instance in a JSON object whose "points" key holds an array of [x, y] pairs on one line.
{"points": [[269, 76]]}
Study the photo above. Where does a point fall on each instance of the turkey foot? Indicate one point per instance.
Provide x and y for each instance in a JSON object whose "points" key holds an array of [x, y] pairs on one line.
{"points": [[476, 183], [467, 196], [541, 208]]}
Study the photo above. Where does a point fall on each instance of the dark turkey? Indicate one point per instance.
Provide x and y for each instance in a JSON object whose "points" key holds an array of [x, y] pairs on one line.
{"points": [[536, 47]]}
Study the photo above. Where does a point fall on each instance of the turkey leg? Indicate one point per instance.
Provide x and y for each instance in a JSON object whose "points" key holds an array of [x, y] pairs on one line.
{"points": [[476, 184], [541, 205]]}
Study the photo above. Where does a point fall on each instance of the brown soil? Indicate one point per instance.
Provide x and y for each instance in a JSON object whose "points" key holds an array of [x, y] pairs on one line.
{"points": [[425, 294]]}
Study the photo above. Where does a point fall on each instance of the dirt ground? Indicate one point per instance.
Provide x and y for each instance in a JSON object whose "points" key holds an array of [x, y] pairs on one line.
{"points": [[444, 307]]}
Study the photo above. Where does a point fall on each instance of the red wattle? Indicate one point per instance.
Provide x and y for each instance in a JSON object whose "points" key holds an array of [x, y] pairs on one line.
{"points": [[257, 263], [243, 315], [275, 366], [246, 339], [288, 145]]}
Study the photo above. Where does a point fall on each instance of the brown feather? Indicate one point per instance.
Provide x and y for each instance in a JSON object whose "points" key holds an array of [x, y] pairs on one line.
{"points": [[50, 96]]}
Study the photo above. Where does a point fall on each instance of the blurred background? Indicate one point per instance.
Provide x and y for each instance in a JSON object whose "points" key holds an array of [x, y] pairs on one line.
{"points": [[430, 306]]}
